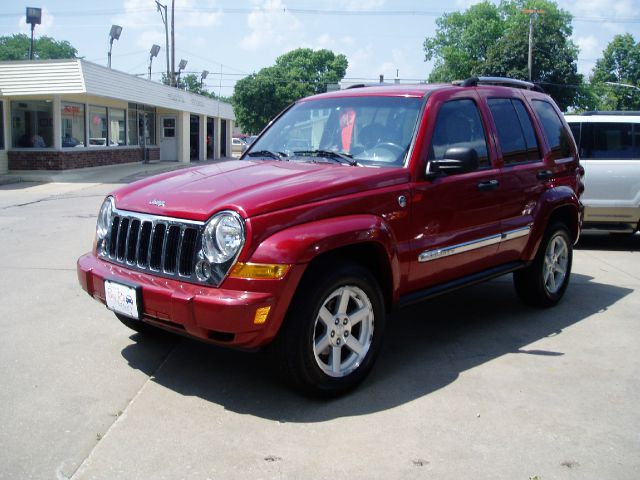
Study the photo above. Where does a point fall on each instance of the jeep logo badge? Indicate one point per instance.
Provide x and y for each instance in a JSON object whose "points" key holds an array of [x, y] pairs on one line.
{"points": [[157, 203]]}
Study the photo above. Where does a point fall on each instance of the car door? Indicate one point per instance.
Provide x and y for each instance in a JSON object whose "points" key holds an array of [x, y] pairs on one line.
{"points": [[455, 218], [523, 169]]}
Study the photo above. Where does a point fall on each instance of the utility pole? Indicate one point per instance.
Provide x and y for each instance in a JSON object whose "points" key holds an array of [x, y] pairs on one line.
{"points": [[530, 59], [166, 34], [173, 45]]}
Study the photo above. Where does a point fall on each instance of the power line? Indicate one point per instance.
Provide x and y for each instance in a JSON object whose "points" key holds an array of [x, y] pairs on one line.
{"points": [[305, 11]]}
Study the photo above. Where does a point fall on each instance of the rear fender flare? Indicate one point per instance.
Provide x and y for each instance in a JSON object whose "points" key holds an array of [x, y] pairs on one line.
{"points": [[552, 202]]}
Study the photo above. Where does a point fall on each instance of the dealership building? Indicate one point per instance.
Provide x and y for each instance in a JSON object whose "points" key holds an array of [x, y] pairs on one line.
{"points": [[66, 114]]}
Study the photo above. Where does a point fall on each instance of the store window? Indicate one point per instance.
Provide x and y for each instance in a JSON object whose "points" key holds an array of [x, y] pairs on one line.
{"points": [[132, 124], [73, 124], [150, 115], [32, 124], [97, 126], [117, 130]]}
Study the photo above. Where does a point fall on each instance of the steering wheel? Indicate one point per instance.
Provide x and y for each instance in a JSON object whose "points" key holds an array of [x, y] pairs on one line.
{"points": [[394, 150]]}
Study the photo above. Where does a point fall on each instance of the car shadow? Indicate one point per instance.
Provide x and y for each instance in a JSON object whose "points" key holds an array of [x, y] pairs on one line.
{"points": [[427, 347], [618, 242]]}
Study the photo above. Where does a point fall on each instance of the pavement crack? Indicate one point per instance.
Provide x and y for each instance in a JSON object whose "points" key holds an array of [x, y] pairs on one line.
{"points": [[120, 417]]}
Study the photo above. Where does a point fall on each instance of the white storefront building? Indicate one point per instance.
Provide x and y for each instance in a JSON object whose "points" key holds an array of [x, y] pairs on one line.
{"points": [[63, 114]]}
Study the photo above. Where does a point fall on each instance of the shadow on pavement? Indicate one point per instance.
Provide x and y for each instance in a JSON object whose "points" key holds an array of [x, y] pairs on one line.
{"points": [[618, 242], [427, 347]]}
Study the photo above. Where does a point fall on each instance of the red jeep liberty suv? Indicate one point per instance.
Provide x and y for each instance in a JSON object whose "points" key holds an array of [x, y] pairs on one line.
{"points": [[348, 205]]}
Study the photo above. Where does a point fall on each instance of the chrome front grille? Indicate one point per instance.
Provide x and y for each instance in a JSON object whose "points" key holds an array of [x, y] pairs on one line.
{"points": [[158, 245]]}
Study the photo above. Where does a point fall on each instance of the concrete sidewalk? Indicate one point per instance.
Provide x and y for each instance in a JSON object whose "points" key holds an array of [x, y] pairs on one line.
{"points": [[124, 173]]}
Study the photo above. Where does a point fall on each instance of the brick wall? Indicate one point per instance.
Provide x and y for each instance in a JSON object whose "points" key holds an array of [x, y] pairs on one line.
{"points": [[80, 158]]}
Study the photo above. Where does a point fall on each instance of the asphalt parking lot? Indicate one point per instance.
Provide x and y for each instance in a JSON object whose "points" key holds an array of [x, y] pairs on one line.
{"points": [[470, 385]]}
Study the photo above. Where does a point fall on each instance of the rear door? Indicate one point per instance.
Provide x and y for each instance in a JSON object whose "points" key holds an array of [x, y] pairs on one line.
{"points": [[523, 169]]}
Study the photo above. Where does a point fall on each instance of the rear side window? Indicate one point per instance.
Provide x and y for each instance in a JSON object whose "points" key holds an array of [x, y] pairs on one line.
{"points": [[557, 136], [517, 138], [603, 140], [458, 124]]}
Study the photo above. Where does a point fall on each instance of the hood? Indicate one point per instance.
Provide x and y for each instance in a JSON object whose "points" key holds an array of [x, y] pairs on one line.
{"points": [[250, 187]]}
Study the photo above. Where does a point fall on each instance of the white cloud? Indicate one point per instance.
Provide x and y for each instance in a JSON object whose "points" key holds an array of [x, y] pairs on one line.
{"points": [[270, 24]]}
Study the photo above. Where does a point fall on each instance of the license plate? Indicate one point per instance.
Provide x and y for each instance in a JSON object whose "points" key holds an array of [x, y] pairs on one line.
{"points": [[122, 299]]}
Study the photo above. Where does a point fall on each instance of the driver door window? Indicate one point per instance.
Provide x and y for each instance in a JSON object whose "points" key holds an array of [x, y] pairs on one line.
{"points": [[459, 125]]}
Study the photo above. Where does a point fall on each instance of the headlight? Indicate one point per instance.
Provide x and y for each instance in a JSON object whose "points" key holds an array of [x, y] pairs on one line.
{"points": [[105, 216], [223, 237]]}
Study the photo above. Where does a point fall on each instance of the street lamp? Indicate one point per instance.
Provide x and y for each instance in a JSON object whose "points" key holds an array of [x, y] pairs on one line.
{"points": [[153, 53], [114, 34], [202, 77], [181, 66], [34, 17]]}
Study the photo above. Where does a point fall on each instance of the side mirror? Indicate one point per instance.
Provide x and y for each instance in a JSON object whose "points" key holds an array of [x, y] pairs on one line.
{"points": [[456, 160]]}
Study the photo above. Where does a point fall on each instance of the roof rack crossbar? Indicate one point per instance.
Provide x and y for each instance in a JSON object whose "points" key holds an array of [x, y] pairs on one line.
{"points": [[509, 82]]}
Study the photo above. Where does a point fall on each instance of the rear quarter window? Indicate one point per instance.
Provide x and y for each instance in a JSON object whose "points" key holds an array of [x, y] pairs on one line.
{"points": [[557, 136]]}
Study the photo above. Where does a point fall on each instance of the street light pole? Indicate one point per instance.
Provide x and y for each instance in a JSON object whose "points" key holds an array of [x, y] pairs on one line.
{"points": [[166, 34], [34, 16], [616, 84], [114, 34]]}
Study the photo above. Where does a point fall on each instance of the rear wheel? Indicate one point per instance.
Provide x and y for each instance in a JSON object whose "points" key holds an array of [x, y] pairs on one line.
{"points": [[544, 282], [333, 331]]}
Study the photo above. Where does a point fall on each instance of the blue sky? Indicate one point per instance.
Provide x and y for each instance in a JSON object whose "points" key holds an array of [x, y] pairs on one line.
{"points": [[233, 38]]}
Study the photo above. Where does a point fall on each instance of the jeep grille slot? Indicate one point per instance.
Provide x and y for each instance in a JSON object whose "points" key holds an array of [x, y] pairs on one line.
{"points": [[160, 245]]}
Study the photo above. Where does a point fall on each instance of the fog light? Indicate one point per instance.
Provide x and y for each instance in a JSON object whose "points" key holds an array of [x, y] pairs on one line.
{"points": [[261, 315], [203, 271]]}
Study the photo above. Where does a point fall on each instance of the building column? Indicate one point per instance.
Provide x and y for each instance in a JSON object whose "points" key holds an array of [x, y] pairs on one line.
{"points": [[183, 132], [57, 122], [229, 137], [202, 138], [216, 138]]}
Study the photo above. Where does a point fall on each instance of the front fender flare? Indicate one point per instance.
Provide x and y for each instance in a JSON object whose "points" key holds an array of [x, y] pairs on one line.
{"points": [[302, 243]]}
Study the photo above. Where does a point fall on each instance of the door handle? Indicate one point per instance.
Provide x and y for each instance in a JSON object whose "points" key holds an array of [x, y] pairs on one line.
{"points": [[488, 185], [544, 174]]}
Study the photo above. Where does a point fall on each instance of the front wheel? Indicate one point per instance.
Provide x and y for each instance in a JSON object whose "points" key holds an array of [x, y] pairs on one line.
{"points": [[333, 331], [544, 282]]}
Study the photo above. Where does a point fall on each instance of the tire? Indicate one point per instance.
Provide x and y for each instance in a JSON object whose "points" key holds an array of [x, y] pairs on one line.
{"points": [[333, 331], [137, 325], [543, 283]]}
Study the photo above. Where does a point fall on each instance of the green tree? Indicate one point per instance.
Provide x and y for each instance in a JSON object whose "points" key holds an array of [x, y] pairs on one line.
{"points": [[616, 76], [296, 74], [494, 40], [16, 47]]}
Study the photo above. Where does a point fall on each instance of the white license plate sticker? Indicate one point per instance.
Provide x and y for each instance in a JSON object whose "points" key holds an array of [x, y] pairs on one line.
{"points": [[122, 299]]}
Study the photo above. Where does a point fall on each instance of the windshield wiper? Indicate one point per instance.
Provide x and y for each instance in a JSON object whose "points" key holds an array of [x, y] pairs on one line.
{"points": [[340, 157], [268, 153]]}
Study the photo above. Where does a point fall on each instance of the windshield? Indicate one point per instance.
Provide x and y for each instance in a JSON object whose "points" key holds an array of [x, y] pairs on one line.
{"points": [[355, 130]]}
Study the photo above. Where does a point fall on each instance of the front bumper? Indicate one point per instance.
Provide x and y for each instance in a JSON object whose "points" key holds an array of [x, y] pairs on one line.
{"points": [[218, 315]]}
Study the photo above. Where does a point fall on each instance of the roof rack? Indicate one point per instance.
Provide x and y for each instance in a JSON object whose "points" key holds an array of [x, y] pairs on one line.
{"points": [[612, 112], [507, 82]]}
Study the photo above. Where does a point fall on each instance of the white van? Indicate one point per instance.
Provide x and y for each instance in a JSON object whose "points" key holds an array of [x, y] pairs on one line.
{"points": [[609, 148]]}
